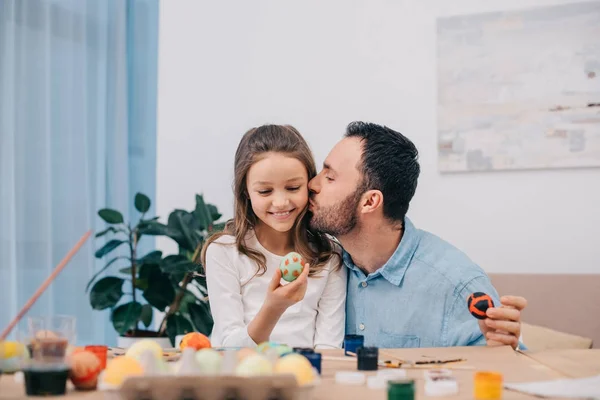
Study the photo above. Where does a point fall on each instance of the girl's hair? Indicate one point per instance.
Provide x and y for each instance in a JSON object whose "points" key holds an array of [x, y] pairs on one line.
{"points": [[315, 247]]}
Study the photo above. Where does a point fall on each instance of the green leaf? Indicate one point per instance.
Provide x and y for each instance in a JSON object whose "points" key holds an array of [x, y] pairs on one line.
{"points": [[146, 316], [104, 232], [106, 293], [151, 219], [160, 292], [153, 228], [142, 202], [141, 284], [111, 216], [102, 270], [108, 247], [174, 264], [202, 213], [126, 316], [146, 270], [218, 227], [214, 212], [177, 325], [201, 317], [153, 257]]}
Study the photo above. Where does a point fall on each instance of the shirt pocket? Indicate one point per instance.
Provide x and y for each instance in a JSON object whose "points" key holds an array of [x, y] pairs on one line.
{"points": [[396, 341]]}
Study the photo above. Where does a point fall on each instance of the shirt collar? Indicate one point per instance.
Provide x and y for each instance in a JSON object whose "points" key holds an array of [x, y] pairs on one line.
{"points": [[395, 268]]}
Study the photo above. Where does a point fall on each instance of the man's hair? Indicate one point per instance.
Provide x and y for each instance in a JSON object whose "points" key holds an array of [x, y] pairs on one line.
{"points": [[388, 164]]}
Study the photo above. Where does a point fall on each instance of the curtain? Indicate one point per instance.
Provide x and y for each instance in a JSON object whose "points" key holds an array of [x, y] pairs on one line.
{"points": [[77, 133]]}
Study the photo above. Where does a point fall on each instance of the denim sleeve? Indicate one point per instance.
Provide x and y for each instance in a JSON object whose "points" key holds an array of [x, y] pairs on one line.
{"points": [[460, 328]]}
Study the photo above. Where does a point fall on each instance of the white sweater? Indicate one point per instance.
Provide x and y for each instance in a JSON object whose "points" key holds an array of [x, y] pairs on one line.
{"points": [[236, 296]]}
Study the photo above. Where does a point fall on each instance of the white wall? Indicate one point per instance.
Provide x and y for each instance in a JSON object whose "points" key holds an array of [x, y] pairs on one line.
{"points": [[227, 66]]}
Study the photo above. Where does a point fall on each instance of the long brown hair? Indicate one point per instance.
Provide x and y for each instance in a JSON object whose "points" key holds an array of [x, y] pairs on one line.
{"points": [[315, 248]]}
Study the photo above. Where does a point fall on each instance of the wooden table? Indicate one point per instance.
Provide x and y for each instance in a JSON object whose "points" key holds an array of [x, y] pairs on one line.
{"points": [[515, 367]]}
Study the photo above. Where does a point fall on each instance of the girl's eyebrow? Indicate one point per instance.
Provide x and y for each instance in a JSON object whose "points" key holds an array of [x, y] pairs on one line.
{"points": [[296, 179]]}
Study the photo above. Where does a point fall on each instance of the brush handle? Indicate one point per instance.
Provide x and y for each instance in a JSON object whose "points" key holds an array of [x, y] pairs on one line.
{"points": [[45, 285]]}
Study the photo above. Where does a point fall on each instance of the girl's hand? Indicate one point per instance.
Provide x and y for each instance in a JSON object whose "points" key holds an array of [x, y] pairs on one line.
{"points": [[280, 297]]}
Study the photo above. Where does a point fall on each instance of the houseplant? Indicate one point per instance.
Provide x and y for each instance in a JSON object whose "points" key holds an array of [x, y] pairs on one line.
{"points": [[172, 284]]}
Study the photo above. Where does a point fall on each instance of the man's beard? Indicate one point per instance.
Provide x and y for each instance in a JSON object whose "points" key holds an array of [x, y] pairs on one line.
{"points": [[339, 219]]}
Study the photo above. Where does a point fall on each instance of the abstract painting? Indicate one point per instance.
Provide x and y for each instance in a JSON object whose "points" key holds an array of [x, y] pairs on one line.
{"points": [[519, 89]]}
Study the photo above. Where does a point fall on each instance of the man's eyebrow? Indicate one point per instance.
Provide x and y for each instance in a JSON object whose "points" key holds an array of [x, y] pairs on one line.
{"points": [[327, 166]]}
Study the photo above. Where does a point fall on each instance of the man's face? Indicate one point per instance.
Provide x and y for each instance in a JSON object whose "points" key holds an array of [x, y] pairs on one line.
{"points": [[335, 190]]}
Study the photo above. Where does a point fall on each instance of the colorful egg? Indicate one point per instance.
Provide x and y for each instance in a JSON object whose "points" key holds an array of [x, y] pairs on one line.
{"points": [[209, 360], [195, 340], [120, 368], [291, 266], [136, 349], [245, 352], [264, 346], [85, 368], [255, 365], [297, 365]]}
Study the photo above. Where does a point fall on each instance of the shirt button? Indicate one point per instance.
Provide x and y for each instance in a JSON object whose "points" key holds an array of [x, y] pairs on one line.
{"points": [[364, 284], [361, 327]]}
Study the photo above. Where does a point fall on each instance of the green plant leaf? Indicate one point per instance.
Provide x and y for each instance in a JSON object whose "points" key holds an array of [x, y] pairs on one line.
{"points": [[106, 293], [214, 212], [126, 316], [146, 316], [141, 284], [202, 213], [218, 227], [201, 317], [142, 202], [153, 257], [104, 232], [102, 270], [151, 219], [108, 247], [176, 263], [111, 216], [146, 270], [153, 228], [126, 270], [177, 325], [160, 292]]}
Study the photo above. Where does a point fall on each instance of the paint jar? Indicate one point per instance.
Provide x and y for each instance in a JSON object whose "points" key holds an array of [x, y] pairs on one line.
{"points": [[401, 390], [353, 342], [367, 358]]}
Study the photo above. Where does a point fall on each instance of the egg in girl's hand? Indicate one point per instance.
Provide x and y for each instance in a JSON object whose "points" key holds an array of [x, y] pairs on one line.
{"points": [[291, 266]]}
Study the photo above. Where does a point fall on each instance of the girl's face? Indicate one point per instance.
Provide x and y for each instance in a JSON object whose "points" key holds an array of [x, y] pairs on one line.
{"points": [[278, 189]]}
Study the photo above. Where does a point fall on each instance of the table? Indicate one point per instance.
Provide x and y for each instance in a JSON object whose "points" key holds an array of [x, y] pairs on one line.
{"points": [[515, 366]]}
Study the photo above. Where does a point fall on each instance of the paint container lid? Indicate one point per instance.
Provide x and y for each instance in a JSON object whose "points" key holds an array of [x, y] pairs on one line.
{"points": [[376, 382], [442, 387], [349, 378]]}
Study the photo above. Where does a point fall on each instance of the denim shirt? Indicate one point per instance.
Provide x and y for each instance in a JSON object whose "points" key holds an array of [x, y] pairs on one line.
{"points": [[419, 297]]}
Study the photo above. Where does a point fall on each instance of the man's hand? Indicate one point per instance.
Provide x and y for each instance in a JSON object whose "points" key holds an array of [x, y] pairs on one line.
{"points": [[503, 325]]}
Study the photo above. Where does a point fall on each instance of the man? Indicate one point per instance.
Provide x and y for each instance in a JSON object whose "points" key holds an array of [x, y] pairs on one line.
{"points": [[406, 287]]}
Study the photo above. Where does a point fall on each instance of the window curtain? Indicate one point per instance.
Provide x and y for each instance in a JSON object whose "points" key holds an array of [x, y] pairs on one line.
{"points": [[77, 133]]}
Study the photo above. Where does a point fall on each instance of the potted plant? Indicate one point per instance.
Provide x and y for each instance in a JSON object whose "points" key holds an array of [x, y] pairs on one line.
{"points": [[174, 284]]}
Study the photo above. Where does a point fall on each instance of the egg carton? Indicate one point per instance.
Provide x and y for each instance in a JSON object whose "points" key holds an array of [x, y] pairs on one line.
{"points": [[276, 387]]}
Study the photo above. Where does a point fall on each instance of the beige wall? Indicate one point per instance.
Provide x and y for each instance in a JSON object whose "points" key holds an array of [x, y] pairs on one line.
{"points": [[567, 303]]}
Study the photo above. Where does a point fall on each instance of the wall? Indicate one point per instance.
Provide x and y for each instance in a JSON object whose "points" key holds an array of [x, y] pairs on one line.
{"points": [[224, 68]]}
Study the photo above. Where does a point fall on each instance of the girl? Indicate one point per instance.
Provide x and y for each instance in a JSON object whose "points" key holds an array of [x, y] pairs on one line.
{"points": [[250, 303]]}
